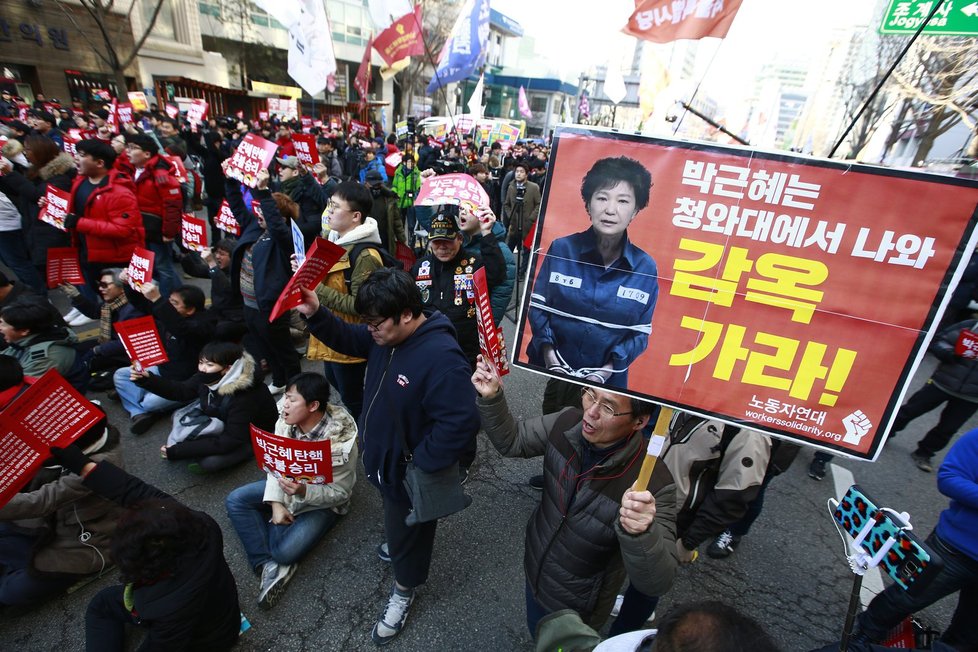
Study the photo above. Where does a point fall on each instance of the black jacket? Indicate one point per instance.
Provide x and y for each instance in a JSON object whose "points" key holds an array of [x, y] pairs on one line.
{"points": [[196, 608], [25, 193], [955, 375], [183, 338]]}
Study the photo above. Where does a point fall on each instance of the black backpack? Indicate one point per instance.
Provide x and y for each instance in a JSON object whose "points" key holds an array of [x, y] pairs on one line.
{"points": [[386, 259]]}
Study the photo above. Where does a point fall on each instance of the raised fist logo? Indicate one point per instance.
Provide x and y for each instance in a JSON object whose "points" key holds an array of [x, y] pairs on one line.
{"points": [[857, 425]]}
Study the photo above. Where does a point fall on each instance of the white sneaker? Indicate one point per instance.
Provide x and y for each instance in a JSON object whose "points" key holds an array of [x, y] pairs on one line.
{"points": [[276, 389], [76, 318], [274, 577], [392, 620]]}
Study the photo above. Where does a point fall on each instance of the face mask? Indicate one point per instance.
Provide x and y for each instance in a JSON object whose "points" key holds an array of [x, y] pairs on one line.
{"points": [[211, 378]]}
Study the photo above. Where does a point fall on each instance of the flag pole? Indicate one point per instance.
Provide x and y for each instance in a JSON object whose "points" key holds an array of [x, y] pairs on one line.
{"points": [[879, 86], [431, 60], [696, 90]]}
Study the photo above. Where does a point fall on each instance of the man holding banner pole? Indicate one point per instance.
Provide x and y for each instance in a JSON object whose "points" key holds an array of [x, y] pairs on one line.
{"points": [[590, 511]]}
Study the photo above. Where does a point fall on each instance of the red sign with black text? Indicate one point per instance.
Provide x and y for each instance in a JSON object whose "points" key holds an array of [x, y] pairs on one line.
{"points": [[789, 295], [308, 462], [141, 340], [322, 255]]}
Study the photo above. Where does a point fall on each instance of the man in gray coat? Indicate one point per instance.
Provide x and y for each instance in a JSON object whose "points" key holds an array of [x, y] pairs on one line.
{"points": [[592, 528]]}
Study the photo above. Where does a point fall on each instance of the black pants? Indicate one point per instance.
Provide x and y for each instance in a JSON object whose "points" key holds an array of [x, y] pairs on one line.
{"points": [[410, 547], [953, 416], [273, 342], [106, 620]]}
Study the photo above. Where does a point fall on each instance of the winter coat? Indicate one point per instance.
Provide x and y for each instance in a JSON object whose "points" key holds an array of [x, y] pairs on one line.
{"points": [[196, 607], [183, 338], [956, 375], [57, 505], [341, 431], [577, 554], [39, 352], [41, 236], [160, 200], [530, 210], [718, 469], [420, 389], [406, 185], [312, 199], [385, 210], [240, 399], [112, 348], [338, 291], [271, 248], [110, 221], [500, 293], [376, 164]]}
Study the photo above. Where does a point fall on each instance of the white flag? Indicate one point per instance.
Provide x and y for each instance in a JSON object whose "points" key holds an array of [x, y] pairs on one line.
{"points": [[311, 58], [475, 102], [614, 83]]}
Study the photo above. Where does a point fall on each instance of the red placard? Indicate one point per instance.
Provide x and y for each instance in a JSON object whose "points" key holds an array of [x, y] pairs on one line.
{"points": [[63, 267], [55, 207], [224, 220], [253, 154], [142, 342], [308, 462], [197, 112], [306, 123], [179, 170], [305, 149], [967, 344], [451, 189], [172, 110], [263, 115], [322, 255], [491, 342], [113, 120], [775, 292], [140, 269], [359, 128], [69, 140], [193, 231], [125, 113], [49, 413]]}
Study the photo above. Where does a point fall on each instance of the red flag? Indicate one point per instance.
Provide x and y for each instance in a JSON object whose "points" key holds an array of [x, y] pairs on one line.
{"points": [[663, 21], [362, 80], [402, 39]]}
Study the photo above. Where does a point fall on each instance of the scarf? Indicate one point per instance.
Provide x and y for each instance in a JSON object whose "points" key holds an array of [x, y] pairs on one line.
{"points": [[289, 186], [105, 318]]}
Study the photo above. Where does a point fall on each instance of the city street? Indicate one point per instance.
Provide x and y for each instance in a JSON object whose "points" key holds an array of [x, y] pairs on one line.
{"points": [[790, 573]]}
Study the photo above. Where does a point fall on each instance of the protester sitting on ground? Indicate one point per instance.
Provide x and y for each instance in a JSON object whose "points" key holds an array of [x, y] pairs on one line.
{"points": [[38, 343], [592, 529], [279, 520], [105, 354], [225, 308], [184, 328], [54, 531], [231, 397], [177, 584]]}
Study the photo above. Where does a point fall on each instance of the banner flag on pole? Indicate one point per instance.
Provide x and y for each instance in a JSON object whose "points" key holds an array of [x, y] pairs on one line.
{"points": [[664, 21], [583, 106], [524, 104], [362, 81], [466, 47], [475, 102], [402, 39], [311, 58]]}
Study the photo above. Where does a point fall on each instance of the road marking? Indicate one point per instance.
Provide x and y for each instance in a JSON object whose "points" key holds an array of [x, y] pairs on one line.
{"points": [[842, 478]]}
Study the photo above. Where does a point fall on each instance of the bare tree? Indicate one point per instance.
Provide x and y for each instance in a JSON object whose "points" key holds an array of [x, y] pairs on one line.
{"points": [[941, 84], [106, 44], [438, 17]]}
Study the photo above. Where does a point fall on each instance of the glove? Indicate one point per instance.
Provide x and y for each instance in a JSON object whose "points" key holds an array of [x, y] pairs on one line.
{"points": [[71, 457], [71, 220]]}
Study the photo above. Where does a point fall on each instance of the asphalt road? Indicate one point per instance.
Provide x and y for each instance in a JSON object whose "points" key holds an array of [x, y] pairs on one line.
{"points": [[790, 573]]}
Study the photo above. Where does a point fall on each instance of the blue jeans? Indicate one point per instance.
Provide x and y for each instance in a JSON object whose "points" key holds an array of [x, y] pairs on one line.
{"points": [[960, 574], [137, 400], [164, 273], [264, 541], [348, 381]]}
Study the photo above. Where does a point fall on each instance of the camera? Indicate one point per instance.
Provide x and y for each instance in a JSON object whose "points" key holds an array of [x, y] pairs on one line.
{"points": [[520, 193], [443, 166]]}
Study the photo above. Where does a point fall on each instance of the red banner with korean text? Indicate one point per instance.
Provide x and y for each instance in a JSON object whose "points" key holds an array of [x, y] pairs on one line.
{"points": [[224, 220], [662, 21], [402, 39], [308, 462], [362, 81], [49, 413], [55, 207], [254, 153], [140, 269], [775, 292], [193, 233], [967, 344], [322, 255], [63, 266], [305, 149], [124, 112], [141, 340], [491, 343], [197, 112]]}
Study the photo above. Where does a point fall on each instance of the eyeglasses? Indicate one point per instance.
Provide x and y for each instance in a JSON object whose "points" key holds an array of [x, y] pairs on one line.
{"points": [[103, 284], [332, 207], [588, 399], [374, 324]]}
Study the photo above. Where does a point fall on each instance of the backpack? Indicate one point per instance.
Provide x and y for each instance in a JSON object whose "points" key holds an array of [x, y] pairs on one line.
{"points": [[386, 259]]}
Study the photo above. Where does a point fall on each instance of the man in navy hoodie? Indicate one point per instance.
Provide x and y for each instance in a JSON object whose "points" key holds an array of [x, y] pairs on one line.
{"points": [[956, 540], [416, 390]]}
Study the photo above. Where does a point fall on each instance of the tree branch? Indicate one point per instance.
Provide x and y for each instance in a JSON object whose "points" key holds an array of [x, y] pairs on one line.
{"points": [[139, 44], [74, 22]]}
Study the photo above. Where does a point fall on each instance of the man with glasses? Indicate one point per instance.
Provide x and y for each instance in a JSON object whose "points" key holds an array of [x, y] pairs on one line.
{"points": [[348, 225], [416, 393], [592, 528]]}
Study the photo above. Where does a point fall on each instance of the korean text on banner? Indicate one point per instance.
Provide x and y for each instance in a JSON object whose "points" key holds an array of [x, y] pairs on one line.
{"points": [[49, 413], [402, 39], [193, 231], [140, 269], [308, 462], [224, 220], [788, 295], [451, 189], [359, 128], [197, 112], [63, 266], [172, 110], [55, 207], [305, 149], [662, 21], [253, 154], [490, 338], [179, 169], [322, 255], [141, 340], [125, 113]]}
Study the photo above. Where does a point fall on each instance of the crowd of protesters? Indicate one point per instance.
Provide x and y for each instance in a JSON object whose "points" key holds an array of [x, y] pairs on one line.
{"points": [[394, 324]]}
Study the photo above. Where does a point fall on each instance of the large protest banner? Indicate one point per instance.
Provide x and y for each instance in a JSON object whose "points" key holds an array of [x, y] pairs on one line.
{"points": [[49, 413], [794, 296]]}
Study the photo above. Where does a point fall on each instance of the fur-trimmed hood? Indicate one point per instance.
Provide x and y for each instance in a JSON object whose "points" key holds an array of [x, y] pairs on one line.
{"points": [[60, 164], [240, 376], [369, 231]]}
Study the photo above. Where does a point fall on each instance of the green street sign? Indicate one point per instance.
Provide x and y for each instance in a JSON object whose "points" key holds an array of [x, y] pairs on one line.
{"points": [[954, 17]]}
